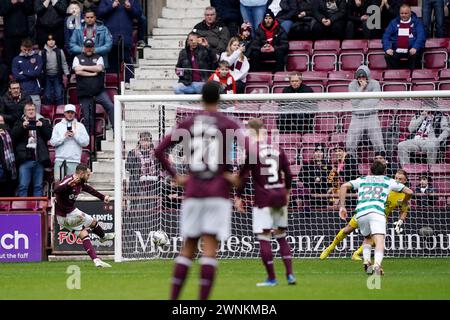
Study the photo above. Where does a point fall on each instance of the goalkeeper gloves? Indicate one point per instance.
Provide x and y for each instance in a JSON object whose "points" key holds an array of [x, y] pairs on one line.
{"points": [[398, 226]]}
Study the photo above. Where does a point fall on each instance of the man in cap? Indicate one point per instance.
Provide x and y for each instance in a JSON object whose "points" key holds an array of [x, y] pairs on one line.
{"points": [[68, 137]]}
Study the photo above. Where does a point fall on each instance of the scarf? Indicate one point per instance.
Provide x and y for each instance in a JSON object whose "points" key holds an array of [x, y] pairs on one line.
{"points": [[94, 32], [147, 165], [425, 128], [8, 150], [270, 33], [228, 82], [404, 31], [237, 65]]}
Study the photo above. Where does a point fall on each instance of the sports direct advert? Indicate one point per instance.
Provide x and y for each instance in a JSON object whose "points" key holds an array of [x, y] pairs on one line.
{"points": [[20, 238]]}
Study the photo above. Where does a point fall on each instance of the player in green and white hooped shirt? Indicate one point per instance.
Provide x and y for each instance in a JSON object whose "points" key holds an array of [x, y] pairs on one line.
{"points": [[373, 191]]}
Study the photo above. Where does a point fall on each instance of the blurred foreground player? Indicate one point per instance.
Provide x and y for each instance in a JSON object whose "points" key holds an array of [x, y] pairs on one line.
{"points": [[272, 179], [206, 208], [75, 220]]}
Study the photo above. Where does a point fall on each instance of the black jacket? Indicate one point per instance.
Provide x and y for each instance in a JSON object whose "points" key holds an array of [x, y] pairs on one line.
{"points": [[19, 136], [12, 110], [227, 10], [52, 16], [355, 13], [280, 41], [15, 17], [320, 11], [4, 78], [217, 35], [302, 89], [206, 61], [304, 5], [288, 10]]}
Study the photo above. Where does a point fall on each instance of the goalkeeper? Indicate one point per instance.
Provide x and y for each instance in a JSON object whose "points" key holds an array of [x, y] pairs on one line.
{"points": [[395, 199]]}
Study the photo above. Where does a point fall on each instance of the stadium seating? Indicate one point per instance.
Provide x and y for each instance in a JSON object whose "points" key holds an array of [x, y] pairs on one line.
{"points": [[325, 124]]}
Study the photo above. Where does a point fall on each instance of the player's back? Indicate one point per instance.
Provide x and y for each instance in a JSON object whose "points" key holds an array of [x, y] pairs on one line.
{"points": [[271, 173], [211, 140]]}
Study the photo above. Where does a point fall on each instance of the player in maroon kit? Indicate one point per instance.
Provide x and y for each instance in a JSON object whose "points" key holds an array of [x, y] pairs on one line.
{"points": [[75, 220], [271, 200], [206, 208]]}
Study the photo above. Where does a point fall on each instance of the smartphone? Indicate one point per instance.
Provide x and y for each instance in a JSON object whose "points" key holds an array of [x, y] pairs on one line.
{"points": [[69, 126], [32, 125]]}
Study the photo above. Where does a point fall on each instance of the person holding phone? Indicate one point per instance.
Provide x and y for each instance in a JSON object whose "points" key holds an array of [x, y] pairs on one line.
{"points": [[8, 172], [30, 135], [69, 137]]}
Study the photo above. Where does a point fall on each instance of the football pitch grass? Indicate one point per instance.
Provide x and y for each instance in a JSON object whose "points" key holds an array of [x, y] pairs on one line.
{"points": [[236, 279]]}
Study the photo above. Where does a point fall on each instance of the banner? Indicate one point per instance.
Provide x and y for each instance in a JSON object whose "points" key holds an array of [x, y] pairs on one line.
{"points": [[20, 237], [65, 242], [425, 235]]}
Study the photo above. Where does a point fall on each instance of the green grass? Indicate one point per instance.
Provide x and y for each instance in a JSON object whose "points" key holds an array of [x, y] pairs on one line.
{"points": [[329, 279]]}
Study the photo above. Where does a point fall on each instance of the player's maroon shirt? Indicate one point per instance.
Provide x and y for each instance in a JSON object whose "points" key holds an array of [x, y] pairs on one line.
{"points": [[268, 181], [206, 168], [66, 195]]}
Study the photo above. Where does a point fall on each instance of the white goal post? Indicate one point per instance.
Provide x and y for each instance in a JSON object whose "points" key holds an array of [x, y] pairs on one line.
{"points": [[149, 204]]}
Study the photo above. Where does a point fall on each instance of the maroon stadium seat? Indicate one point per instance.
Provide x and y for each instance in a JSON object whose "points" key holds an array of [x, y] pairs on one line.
{"points": [[317, 87], [435, 59], [26, 205], [346, 119], [259, 77], [444, 74], [327, 46], [416, 169], [279, 88], [291, 154], [315, 138], [48, 111], [281, 76], [5, 205], [423, 86], [350, 60], [325, 124], [355, 45], [337, 139], [386, 121], [376, 61], [324, 62], [297, 62], [364, 169], [301, 46], [72, 96], [340, 77], [397, 75], [112, 80], [443, 85], [403, 121], [337, 87], [85, 157], [440, 169], [375, 45], [424, 79], [394, 86], [256, 88], [315, 77], [376, 74], [306, 154], [290, 139]]}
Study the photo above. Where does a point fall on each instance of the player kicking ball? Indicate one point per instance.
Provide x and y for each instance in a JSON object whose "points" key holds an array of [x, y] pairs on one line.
{"points": [[394, 200], [206, 208], [370, 210], [271, 200], [75, 220]]}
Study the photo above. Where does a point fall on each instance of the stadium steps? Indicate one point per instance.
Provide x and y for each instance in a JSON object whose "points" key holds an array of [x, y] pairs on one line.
{"points": [[156, 71]]}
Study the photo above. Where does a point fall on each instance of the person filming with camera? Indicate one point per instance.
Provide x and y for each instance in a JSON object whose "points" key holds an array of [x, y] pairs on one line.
{"points": [[68, 137], [30, 135]]}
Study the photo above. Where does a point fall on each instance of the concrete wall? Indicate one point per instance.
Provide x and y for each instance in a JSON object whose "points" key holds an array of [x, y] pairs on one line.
{"points": [[154, 9]]}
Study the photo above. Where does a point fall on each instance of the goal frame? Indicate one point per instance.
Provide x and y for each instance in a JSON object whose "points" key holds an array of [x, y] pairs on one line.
{"points": [[118, 133]]}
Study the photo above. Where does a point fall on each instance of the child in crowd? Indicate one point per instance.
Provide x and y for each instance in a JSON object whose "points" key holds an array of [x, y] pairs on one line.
{"points": [[224, 77]]}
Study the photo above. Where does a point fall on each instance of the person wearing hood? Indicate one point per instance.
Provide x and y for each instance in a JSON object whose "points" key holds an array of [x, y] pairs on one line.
{"points": [[97, 32], [271, 43], [55, 71], [194, 66], [27, 69], [30, 136], [403, 40], [50, 19], [330, 19], [214, 33], [365, 114]]}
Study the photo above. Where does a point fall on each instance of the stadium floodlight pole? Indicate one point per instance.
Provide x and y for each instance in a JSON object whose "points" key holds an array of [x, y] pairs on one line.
{"points": [[118, 179]]}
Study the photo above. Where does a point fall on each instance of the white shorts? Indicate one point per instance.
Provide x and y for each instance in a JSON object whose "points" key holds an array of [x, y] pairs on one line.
{"points": [[206, 216], [269, 218], [75, 221], [371, 223]]}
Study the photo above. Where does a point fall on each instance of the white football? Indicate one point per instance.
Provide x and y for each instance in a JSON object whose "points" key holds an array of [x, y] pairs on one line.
{"points": [[160, 238]]}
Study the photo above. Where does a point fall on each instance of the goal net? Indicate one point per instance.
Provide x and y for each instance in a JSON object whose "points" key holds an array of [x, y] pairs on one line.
{"points": [[329, 139]]}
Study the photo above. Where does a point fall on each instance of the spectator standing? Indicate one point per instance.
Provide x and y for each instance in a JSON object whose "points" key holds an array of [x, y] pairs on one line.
{"points": [[4, 77], [428, 131], [330, 18], [118, 18], [296, 122], [224, 78], [90, 72], [95, 31], [214, 33], [12, 104], [357, 17], [56, 72], [437, 6], [15, 19], [229, 13], [270, 43], [284, 11], [365, 116], [69, 137], [403, 40], [194, 66], [50, 20], [425, 187], [27, 69], [72, 22], [91, 4], [302, 21], [253, 11], [235, 56], [8, 172], [30, 136]]}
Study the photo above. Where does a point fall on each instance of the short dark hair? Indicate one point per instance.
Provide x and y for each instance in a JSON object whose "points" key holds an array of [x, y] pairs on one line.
{"points": [[403, 172], [211, 92], [81, 168], [89, 10], [13, 81], [224, 64], [27, 43], [378, 168]]}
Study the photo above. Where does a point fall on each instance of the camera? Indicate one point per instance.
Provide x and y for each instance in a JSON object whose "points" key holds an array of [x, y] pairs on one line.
{"points": [[32, 124], [69, 126]]}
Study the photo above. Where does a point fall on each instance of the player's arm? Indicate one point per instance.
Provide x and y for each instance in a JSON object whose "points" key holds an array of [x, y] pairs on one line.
{"points": [[404, 207], [342, 195], [95, 193], [243, 176], [286, 168], [65, 184], [161, 155]]}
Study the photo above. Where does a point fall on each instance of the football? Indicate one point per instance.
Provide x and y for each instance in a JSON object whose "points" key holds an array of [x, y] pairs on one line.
{"points": [[160, 238]]}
